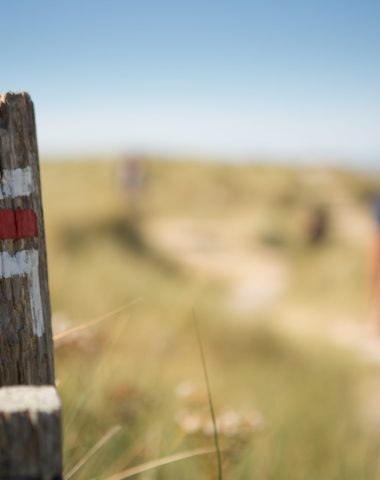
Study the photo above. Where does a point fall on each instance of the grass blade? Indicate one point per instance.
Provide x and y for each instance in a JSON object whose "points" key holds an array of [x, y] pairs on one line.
{"points": [[106, 438], [210, 402], [91, 323], [144, 467]]}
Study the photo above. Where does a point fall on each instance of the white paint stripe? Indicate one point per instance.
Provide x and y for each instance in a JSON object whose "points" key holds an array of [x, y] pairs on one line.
{"points": [[25, 262], [16, 183]]}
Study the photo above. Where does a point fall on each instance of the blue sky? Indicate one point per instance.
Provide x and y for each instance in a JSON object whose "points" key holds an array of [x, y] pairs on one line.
{"points": [[274, 78]]}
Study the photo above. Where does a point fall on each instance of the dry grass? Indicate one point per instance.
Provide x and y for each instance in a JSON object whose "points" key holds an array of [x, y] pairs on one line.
{"points": [[127, 372]]}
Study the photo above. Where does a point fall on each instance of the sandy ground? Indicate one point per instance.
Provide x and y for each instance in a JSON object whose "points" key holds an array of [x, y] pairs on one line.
{"points": [[257, 278], [222, 251]]}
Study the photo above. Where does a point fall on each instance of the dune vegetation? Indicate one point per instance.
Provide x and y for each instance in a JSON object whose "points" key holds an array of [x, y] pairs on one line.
{"points": [[284, 319]]}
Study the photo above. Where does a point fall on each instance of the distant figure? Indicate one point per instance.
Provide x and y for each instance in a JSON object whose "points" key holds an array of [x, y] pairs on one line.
{"points": [[132, 178], [376, 263], [318, 224]]}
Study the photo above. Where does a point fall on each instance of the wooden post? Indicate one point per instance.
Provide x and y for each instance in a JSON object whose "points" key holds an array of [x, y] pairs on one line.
{"points": [[30, 416], [30, 433], [26, 347]]}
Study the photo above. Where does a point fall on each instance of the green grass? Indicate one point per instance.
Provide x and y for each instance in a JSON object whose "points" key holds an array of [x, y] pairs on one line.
{"points": [[125, 371]]}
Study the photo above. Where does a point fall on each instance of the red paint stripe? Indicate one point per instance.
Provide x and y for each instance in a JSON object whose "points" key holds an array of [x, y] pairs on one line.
{"points": [[26, 223], [17, 224], [7, 224]]}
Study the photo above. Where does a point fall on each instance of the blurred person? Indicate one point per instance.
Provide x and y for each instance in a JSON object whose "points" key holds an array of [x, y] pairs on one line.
{"points": [[132, 177], [376, 264], [318, 224]]}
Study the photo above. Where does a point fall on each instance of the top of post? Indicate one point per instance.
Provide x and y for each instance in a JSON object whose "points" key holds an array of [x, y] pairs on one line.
{"points": [[9, 96], [17, 130]]}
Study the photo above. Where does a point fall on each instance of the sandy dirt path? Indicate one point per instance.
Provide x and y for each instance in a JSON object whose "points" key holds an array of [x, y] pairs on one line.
{"points": [[223, 250], [256, 278]]}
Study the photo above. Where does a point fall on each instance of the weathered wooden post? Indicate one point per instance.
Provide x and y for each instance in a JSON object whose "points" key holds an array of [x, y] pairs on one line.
{"points": [[30, 433], [25, 325], [30, 421]]}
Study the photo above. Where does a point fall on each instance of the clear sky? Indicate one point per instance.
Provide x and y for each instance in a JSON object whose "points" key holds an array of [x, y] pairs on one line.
{"points": [[236, 77]]}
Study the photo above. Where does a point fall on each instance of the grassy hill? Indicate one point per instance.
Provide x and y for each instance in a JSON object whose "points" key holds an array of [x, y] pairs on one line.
{"points": [[283, 319]]}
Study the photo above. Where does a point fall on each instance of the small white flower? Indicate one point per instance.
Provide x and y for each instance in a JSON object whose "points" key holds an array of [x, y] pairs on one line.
{"points": [[229, 423], [189, 423], [184, 390]]}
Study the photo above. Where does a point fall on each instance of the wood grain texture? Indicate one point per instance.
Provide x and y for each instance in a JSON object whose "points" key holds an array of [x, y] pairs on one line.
{"points": [[25, 320], [30, 433]]}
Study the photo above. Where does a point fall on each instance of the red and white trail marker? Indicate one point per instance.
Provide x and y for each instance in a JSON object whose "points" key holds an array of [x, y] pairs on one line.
{"points": [[16, 225], [25, 323]]}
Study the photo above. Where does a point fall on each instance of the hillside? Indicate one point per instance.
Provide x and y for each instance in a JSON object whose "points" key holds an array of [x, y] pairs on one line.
{"points": [[285, 318]]}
